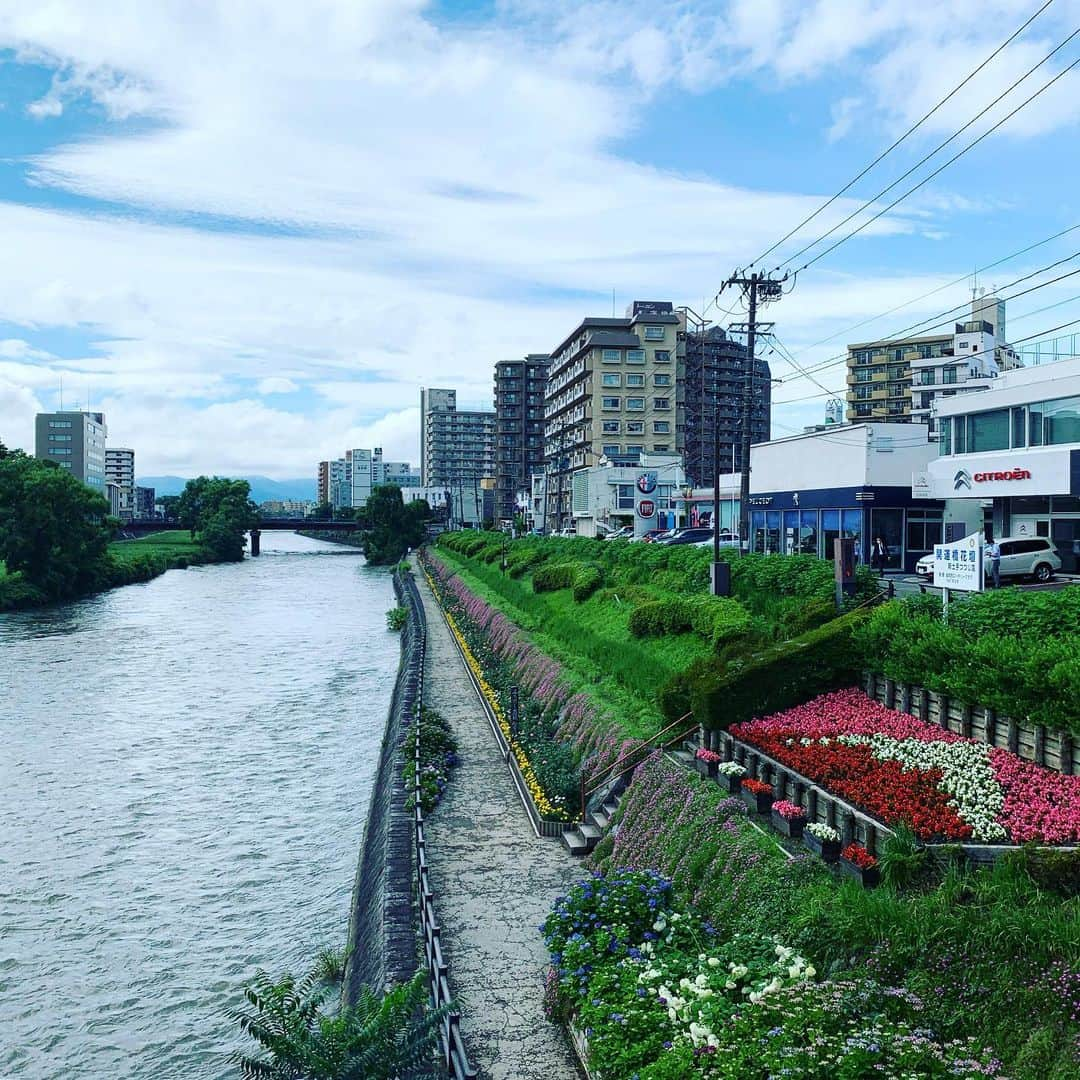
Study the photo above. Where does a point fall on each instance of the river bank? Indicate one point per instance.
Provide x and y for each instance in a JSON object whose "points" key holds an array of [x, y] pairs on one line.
{"points": [[129, 562]]}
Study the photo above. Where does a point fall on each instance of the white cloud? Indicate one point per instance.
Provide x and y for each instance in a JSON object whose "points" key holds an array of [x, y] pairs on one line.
{"points": [[436, 182], [844, 113], [277, 384]]}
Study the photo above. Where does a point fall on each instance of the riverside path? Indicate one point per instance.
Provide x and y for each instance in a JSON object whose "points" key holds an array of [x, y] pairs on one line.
{"points": [[494, 881]]}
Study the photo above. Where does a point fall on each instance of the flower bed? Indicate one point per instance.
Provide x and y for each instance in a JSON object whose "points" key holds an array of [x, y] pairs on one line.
{"points": [[658, 994], [902, 770]]}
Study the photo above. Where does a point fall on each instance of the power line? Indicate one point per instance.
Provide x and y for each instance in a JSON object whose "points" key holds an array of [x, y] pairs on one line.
{"points": [[940, 288], [940, 169], [910, 131], [943, 318], [970, 356]]}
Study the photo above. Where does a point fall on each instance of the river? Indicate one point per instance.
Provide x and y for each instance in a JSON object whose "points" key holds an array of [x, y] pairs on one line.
{"points": [[185, 769]]}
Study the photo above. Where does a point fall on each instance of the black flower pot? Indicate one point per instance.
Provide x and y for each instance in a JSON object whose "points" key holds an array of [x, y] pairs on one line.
{"points": [[733, 784], [706, 768], [867, 878], [828, 850], [758, 803], [792, 827]]}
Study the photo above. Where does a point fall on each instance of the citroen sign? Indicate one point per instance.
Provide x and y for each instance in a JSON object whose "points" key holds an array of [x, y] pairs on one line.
{"points": [[962, 479]]}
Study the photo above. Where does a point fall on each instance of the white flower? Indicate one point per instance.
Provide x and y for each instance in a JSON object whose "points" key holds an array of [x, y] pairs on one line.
{"points": [[713, 962]]}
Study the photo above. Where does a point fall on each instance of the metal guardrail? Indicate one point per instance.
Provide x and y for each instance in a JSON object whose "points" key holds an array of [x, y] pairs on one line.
{"points": [[453, 1055]]}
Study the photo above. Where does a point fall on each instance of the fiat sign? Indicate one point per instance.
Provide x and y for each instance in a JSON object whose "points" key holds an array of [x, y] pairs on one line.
{"points": [[646, 508]]}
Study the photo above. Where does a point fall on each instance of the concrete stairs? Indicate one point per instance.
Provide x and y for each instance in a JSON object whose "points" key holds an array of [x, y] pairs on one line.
{"points": [[581, 839]]}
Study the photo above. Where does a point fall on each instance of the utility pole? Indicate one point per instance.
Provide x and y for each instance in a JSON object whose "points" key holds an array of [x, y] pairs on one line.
{"points": [[757, 287]]}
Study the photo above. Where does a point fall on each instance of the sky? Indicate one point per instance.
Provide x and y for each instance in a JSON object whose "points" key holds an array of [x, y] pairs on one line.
{"points": [[250, 230]]}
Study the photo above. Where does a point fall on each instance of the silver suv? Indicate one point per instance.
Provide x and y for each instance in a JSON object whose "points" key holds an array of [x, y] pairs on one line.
{"points": [[1021, 556]]}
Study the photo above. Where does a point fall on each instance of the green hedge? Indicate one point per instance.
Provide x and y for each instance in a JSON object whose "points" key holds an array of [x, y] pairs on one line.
{"points": [[721, 693], [1015, 652], [716, 619], [552, 577], [587, 580]]}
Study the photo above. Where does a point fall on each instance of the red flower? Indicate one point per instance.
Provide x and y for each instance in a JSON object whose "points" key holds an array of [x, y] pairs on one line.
{"points": [[757, 787], [857, 854]]}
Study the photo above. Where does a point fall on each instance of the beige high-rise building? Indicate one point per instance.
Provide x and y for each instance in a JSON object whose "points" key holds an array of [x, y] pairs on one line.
{"points": [[610, 395]]}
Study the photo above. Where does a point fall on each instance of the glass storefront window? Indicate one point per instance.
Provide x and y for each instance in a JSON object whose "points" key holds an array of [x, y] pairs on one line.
{"points": [[1035, 425], [757, 531], [790, 539], [772, 532], [988, 431], [851, 526], [960, 434], [946, 437], [924, 530], [889, 525], [808, 532], [1065, 534], [1065, 504], [830, 528], [1062, 421], [1029, 504], [1019, 428]]}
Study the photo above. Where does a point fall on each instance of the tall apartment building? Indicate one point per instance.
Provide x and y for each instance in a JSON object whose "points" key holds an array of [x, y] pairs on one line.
{"points": [[899, 380], [712, 367], [322, 483], [145, 497], [76, 442], [339, 483], [610, 394], [519, 428], [120, 470], [456, 446]]}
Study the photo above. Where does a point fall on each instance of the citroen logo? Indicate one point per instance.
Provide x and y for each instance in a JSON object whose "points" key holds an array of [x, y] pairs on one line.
{"points": [[962, 480]]}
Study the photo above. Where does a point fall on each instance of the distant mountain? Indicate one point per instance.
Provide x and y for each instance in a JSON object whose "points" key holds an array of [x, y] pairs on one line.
{"points": [[262, 487]]}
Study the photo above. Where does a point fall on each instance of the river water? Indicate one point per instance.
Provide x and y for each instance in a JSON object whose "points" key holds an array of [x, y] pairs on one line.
{"points": [[185, 769]]}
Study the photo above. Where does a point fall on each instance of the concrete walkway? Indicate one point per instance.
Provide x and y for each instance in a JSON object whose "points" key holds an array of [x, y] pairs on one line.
{"points": [[494, 884]]}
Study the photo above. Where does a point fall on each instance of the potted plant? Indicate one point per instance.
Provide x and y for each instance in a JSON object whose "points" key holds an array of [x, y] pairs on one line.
{"points": [[857, 862], [822, 840], [757, 795], [729, 775], [788, 819], [706, 761]]}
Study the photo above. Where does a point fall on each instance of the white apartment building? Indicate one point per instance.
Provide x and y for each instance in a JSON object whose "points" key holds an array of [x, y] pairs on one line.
{"points": [[120, 470]]}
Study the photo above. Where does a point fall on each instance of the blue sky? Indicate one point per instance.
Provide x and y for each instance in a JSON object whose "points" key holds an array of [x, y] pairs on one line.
{"points": [[251, 230]]}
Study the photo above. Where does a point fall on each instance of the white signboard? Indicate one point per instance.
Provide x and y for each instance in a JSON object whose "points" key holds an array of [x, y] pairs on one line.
{"points": [[959, 565], [1004, 473], [644, 503], [921, 486]]}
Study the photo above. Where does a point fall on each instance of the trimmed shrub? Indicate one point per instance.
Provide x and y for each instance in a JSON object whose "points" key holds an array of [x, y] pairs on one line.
{"points": [[587, 580], [715, 618], [779, 677], [552, 577]]}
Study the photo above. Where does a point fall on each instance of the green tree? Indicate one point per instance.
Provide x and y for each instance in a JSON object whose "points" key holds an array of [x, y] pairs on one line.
{"points": [[322, 512], [53, 528], [168, 505], [391, 527], [218, 512], [381, 1037]]}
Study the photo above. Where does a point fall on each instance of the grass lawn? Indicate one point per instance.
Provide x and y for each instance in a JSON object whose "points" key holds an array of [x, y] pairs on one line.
{"points": [[170, 544], [591, 639]]}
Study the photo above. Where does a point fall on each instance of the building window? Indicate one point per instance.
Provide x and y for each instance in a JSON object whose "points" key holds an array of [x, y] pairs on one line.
{"points": [[611, 449], [662, 378], [611, 378], [988, 431], [610, 427], [60, 450], [661, 448], [635, 379], [661, 403], [59, 438], [948, 375], [654, 333], [661, 427], [635, 356], [64, 464], [1061, 421], [59, 423], [862, 409], [609, 403], [923, 530], [624, 499], [662, 356], [863, 376], [634, 448], [635, 427], [637, 404], [611, 356]]}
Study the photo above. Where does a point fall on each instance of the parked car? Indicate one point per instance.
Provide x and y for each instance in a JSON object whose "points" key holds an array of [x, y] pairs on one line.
{"points": [[1021, 556], [692, 535], [652, 535], [727, 540], [566, 534], [621, 534]]}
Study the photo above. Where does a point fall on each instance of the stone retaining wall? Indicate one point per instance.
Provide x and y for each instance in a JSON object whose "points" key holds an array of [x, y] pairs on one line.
{"points": [[383, 921]]}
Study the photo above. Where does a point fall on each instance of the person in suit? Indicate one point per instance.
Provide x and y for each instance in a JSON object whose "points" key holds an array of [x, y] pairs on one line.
{"points": [[879, 555]]}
